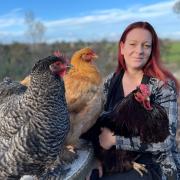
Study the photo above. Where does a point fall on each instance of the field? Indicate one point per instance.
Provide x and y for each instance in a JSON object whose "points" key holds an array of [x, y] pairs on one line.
{"points": [[171, 57], [173, 54], [17, 59]]}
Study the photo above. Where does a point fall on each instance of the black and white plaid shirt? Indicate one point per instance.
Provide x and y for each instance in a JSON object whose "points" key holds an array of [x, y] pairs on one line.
{"points": [[168, 156]]}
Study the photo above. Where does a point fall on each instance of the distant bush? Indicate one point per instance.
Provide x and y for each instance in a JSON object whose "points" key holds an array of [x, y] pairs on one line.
{"points": [[17, 59]]}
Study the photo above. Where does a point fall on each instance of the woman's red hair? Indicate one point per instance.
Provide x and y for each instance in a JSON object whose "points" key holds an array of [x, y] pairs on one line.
{"points": [[154, 66]]}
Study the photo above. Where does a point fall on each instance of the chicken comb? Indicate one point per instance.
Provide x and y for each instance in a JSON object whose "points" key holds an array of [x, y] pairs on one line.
{"points": [[143, 96], [61, 55]]}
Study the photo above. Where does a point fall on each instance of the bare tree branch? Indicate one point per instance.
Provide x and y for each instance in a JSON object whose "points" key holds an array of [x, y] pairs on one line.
{"points": [[176, 7], [35, 29]]}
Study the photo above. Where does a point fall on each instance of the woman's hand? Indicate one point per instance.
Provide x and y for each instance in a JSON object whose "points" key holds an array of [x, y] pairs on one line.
{"points": [[107, 138]]}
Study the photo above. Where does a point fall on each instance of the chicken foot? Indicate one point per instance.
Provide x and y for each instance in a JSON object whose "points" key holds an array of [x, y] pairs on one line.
{"points": [[140, 168]]}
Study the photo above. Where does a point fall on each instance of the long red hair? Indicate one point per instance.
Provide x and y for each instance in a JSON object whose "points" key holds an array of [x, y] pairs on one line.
{"points": [[154, 66]]}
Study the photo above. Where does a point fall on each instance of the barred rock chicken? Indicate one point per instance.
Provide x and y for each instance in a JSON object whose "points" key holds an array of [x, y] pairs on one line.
{"points": [[34, 123], [83, 94], [9, 87], [133, 117]]}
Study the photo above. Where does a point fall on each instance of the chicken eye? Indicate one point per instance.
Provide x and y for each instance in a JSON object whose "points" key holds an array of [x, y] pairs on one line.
{"points": [[57, 63], [89, 54], [83, 56]]}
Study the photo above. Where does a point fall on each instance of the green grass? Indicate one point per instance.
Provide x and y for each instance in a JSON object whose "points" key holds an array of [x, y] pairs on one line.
{"points": [[172, 52], [171, 56]]}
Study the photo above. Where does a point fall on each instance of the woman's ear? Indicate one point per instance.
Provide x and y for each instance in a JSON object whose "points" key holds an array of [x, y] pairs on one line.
{"points": [[122, 47]]}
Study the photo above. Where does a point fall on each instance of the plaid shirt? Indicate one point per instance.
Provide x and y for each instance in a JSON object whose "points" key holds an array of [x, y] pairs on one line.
{"points": [[168, 156]]}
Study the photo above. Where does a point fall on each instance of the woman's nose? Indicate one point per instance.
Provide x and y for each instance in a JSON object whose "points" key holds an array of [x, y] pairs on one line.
{"points": [[139, 49]]}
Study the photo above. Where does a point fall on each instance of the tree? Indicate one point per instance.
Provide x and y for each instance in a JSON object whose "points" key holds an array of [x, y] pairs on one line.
{"points": [[35, 29], [176, 7]]}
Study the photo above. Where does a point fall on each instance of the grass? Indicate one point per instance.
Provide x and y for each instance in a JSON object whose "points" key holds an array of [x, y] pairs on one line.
{"points": [[171, 57], [173, 52]]}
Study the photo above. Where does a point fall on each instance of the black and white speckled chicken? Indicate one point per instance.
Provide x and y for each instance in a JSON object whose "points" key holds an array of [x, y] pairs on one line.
{"points": [[8, 87], [34, 123]]}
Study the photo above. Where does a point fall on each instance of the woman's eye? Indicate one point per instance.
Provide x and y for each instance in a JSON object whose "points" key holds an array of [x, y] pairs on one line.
{"points": [[147, 46], [131, 44]]}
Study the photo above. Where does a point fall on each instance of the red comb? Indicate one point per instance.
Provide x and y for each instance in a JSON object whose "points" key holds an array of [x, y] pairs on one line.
{"points": [[143, 95], [57, 53]]}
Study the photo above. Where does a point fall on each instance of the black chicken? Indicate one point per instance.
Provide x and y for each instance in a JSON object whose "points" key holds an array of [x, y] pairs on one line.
{"points": [[34, 122], [135, 116]]}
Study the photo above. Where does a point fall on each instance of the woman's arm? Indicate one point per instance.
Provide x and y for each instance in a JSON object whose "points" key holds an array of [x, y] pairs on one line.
{"points": [[166, 96]]}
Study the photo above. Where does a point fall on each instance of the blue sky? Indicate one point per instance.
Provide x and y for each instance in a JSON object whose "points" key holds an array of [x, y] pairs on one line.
{"points": [[71, 20]]}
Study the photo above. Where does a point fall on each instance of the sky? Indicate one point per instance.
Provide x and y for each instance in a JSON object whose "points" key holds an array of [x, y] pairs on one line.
{"points": [[73, 20]]}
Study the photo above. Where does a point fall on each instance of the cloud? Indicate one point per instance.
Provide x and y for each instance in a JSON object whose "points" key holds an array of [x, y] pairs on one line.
{"points": [[115, 15], [11, 19], [158, 7], [107, 23], [10, 22], [173, 35]]}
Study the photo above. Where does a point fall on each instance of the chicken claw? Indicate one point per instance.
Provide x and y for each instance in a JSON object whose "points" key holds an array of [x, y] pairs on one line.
{"points": [[140, 168], [71, 148]]}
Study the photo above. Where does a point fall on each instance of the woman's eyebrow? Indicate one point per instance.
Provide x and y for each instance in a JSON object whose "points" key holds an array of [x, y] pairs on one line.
{"points": [[132, 40]]}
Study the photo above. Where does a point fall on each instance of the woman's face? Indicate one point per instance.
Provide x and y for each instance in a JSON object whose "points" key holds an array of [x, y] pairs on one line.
{"points": [[137, 48]]}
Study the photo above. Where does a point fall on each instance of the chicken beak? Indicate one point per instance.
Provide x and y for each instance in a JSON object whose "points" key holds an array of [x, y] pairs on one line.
{"points": [[69, 66], [94, 56]]}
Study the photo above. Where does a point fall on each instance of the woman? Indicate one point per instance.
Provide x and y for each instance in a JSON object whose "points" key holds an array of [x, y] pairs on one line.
{"points": [[138, 57]]}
